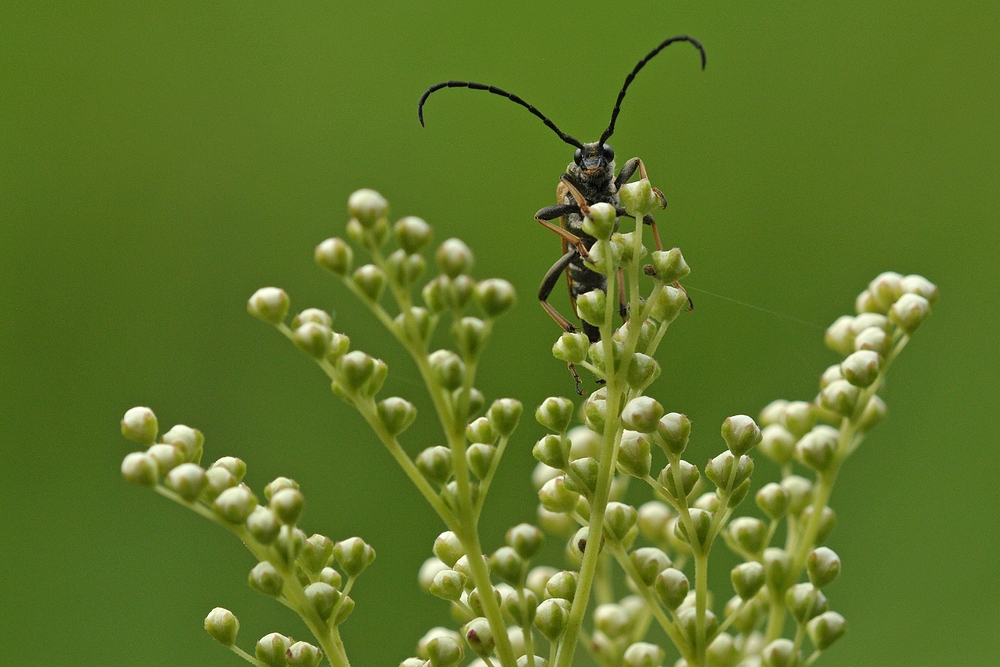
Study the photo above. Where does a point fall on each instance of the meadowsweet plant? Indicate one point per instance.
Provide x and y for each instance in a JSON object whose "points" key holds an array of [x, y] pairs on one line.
{"points": [[510, 609]]}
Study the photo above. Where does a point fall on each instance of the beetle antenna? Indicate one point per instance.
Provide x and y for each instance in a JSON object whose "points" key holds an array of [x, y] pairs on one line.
{"points": [[502, 93], [635, 70]]}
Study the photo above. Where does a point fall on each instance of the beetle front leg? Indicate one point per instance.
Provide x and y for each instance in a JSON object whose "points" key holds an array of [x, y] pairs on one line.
{"points": [[548, 283]]}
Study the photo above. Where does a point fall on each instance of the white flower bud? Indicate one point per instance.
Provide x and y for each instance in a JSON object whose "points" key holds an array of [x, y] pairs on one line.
{"points": [[495, 296], [235, 504], [910, 311], [139, 425], [454, 258], [885, 289], [222, 625], [873, 339], [670, 266], [571, 347], [915, 284], [412, 233], [638, 198], [139, 468], [334, 255], [591, 307], [817, 448], [642, 414], [187, 480], [429, 571], [367, 206], [839, 336], [188, 440], [269, 304], [861, 368], [601, 221]]}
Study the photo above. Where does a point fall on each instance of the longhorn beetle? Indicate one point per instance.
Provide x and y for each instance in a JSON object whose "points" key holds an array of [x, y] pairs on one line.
{"points": [[588, 179]]}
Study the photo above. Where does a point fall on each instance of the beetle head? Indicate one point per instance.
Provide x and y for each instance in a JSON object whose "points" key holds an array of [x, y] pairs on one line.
{"points": [[595, 160]]}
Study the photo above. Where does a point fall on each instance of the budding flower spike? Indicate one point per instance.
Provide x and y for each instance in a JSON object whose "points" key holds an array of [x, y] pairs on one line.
{"points": [[507, 602]]}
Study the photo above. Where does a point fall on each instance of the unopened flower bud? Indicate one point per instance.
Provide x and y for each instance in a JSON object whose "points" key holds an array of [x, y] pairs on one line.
{"points": [[448, 368], [831, 374], [370, 281], [356, 368], [412, 233], [914, 284], [653, 518], [448, 585], [827, 522], [634, 457], [454, 258], [323, 598], [139, 468], [448, 548], [642, 370], [537, 578], [271, 649], [303, 654], [368, 206], [470, 335], [638, 198], [263, 525], [265, 578], [672, 433], [909, 311], [591, 307], [865, 303], [612, 620], [777, 564], [479, 637], [777, 444], [435, 463], [555, 523], [287, 505], [799, 493], [188, 440], [722, 651], [504, 415], [817, 448], [269, 304], [480, 458], [139, 425], [885, 289], [495, 296], [354, 555], [396, 414], [429, 570], [525, 539], [773, 499], [551, 617], [861, 368], [823, 565], [873, 414], [481, 430], [433, 294], [805, 602], [798, 417], [671, 587], [562, 585], [702, 522], [556, 497], [668, 303], [571, 348], [689, 477], [434, 633], [642, 414], [601, 221], [780, 653], [334, 255], [839, 336], [507, 565], [187, 480], [317, 553], [619, 519], [235, 504], [222, 625], [749, 533], [840, 397], [313, 339], [649, 562], [825, 629], [875, 339], [555, 413], [594, 413], [747, 578], [670, 266]]}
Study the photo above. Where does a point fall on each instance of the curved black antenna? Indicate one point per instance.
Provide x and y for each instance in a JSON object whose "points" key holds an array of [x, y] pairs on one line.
{"points": [[496, 91], [635, 70]]}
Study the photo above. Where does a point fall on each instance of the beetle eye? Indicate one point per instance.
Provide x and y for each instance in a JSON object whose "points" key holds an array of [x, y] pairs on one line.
{"points": [[609, 152], [577, 155]]}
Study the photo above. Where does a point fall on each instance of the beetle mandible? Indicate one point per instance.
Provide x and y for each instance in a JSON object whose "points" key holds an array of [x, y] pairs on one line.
{"points": [[589, 179]]}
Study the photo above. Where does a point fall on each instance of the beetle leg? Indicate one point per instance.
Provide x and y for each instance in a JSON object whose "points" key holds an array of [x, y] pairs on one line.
{"points": [[550, 213], [548, 283], [622, 303]]}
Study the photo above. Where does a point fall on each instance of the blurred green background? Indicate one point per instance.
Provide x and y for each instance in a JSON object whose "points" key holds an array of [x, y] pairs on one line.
{"points": [[160, 161]]}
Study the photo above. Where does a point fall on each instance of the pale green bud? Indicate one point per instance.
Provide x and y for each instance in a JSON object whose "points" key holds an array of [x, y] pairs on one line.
{"points": [[303, 654], [140, 425], [861, 368], [805, 602], [873, 338], [642, 654], [823, 565], [642, 370], [868, 320], [344, 610], [448, 548], [591, 307], [798, 417], [271, 649], [454, 258], [277, 484], [354, 555], [481, 430], [825, 629], [217, 481], [396, 414], [237, 467], [780, 653], [670, 266], [339, 345], [839, 337], [287, 505], [585, 471], [370, 281], [476, 400], [649, 562], [747, 578], [412, 233], [525, 539], [612, 620], [433, 294], [429, 571], [480, 457], [653, 518], [403, 269], [909, 312], [728, 472], [479, 637], [551, 617], [334, 255], [671, 587], [638, 198], [577, 546], [885, 289], [668, 304], [594, 413], [235, 504], [672, 433], [634, 457], [507, 565], [269, 304], [495, 296], [740, 433], [840, 396], [556, 497], [562, 585], [555, 413], [313, 339], [458, 291], [914, 284], [555, 523], [470, 335], [323, 598], [504, 415], [688, 622], [187, 480], [188, 440], [356, 369], [139, 468], [571, 348], [827, 522], [521, 607], [289, 543], [476, 603], [873, 414], [777, 564], [584, 443], [777, 444], [747, 618], [435, 463], [619, 519], [537, 578], [263, 525], [818, 448], [831, 374], [265, 578], [642, 414], [434, 633], [773, 499], [702, 522], [865, 303], [421, 322], [689, 477], [317, 553], [799, 493], [222, 625], [749, 533], [772, 412], [448, 585], [722, 652], [601, 221], [626, 243], [448, 368], [368, 206]]}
